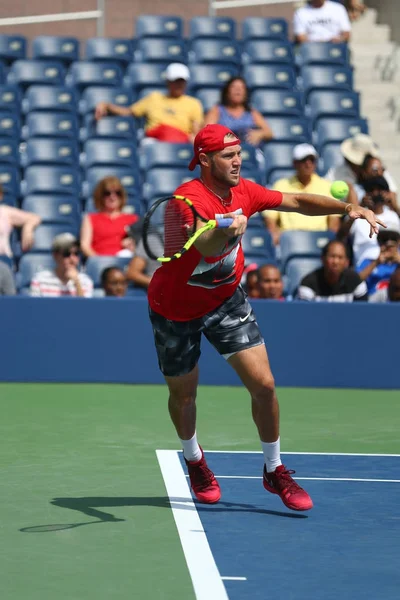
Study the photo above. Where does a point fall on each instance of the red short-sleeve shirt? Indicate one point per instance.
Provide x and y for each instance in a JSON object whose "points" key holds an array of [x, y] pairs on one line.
{"points": [[194, 285], [108, 232]]}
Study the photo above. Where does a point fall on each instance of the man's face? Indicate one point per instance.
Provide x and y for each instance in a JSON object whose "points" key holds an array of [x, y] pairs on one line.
{"points": [[176, 88], [389, 250], [394, 287], [270, 283], [115, 284], [335, 261], [67, 258], [226, 165], [305, 167]]}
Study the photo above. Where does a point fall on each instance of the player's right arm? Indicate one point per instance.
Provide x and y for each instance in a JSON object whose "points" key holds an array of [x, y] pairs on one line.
{"points": [[213, 242]]}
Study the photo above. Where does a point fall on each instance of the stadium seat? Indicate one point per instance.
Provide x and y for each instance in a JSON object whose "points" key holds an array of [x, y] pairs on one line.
{"points": [[140, 75], [331, 156], [208, 97], [92, 95], [214, 51], [29, 265], [50, 151], [10, 98], [332, 77], [25, 73], [210, 76], [10, 179], [303, 244], [44, 235], [51, 180], [109, 128], [278, 155], [133, 206], [277, 174], [337, 130], [278, 102], [118, 50], [52, 47], [249, 156], [253, 174], [95, 265], [129, 179], [163, 182], [7, 260], [161, 50], [84, 73], [290, 129], [120, 153], [161, 154], [298, 268], [323, 53], [9, 150], [260, 28], [9, 199], [54, 209], [272, 51], [258, 242], [343, 103], [50, 98], [269, 76], [212, 27], [10, 125], [50, 124], [159, 26], [12, 47]]}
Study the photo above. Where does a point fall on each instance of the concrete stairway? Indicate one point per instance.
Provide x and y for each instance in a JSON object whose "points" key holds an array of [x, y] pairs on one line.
{"points": [[371, 49]]}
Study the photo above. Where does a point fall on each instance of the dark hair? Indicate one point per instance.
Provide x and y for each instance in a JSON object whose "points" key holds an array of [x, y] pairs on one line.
{"points": [[267, 266], [105, 273], [386, 235], [367, 159], [225, 92], [326, 248], [375, 183]]}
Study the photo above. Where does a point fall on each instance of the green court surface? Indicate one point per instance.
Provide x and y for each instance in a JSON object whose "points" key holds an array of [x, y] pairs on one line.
{"points": [[93, 446]]}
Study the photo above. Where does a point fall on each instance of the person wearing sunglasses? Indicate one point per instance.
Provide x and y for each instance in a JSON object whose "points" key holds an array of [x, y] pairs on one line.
{"points": [[65, 279], [104, 232]]}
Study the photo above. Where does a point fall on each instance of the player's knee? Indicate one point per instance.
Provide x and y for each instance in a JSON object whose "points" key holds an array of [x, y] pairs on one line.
{"points": [[182, 400], [265, 389]]}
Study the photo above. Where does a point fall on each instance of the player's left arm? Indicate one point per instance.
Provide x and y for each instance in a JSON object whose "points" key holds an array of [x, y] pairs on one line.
{"points": [[315, 205]]}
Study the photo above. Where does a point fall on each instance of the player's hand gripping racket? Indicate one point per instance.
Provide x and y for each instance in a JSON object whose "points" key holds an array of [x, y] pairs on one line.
{"points": [[173, 224]]}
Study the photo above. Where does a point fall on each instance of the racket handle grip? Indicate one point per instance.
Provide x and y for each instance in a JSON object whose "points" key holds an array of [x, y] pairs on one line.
{"points": [[224, 222]]}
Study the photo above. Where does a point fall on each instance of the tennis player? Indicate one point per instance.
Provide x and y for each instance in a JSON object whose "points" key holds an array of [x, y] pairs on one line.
{"points": [[200, 293]]}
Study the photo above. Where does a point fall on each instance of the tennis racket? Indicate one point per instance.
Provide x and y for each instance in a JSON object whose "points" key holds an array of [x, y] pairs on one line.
{"points": [[171, 227]]}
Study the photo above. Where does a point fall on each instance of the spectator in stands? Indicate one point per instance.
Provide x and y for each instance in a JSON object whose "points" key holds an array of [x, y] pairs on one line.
{"points": [[321, 21], [334, 281], [65, 279], [377, 272], [11, 217], [113, 282], [269, 282], [373, 167], [105, 233], [7, 285], [355, 9], [141, 268], [171, 117], [390, 293], [251, 284], [234, 111], [305, 180]]}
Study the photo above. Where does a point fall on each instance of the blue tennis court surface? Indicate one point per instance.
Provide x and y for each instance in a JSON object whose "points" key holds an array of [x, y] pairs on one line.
{"points": [[346, 547]]}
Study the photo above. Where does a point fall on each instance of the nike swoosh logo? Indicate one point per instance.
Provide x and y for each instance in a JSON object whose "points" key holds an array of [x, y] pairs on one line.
{"points": [[243, 319]]}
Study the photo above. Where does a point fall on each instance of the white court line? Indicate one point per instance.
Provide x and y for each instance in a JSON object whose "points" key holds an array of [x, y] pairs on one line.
{"points": [[313, 478], [200, 561], [300, 453], [234, 578]]}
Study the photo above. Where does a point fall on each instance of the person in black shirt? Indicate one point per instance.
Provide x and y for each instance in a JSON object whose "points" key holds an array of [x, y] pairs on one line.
{"points": [[334, 281]]}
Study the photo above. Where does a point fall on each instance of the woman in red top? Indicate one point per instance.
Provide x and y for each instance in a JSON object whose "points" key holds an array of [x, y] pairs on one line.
{"points": [[104, 233]]}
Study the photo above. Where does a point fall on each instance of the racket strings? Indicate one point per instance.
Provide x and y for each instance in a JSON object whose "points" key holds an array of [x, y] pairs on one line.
{"points": [[179, 226]]}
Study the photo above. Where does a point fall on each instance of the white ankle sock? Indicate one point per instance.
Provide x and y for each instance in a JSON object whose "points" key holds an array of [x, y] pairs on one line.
{"points": [[191, 449], [272, 454]]}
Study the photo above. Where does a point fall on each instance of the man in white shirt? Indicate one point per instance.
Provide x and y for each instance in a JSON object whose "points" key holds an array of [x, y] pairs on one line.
{"points": [[321, 21], [65, 279]]}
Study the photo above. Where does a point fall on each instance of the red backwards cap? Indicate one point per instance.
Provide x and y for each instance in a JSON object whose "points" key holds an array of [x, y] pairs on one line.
{"points": [[211, 139]]}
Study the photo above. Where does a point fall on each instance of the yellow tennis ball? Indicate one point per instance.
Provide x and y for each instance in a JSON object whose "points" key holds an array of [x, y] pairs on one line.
{"points": [[339, 190]]}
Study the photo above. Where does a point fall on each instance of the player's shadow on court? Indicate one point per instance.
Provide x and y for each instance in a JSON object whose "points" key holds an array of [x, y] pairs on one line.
{"points": [[89, 506]]}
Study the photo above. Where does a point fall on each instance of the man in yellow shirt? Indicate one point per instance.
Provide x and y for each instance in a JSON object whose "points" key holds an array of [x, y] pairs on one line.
{"points": [[170, 117], [305, 181]]}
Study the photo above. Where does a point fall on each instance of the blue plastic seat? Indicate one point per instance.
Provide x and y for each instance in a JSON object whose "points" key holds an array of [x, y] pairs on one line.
{"points": [[278, 155], [52, 47], [51, 180], [276, 174], [129, 178], [25, 73], [290, 129], [50, 124], [212, 27], [50, 151], [269, 76], [44, 235], [208, 97], [254, 28], [10, 125], [109, 153], [161, 50], [336, 130], [29, 265], [92, 95], [163, 182], [50, 98], [141, 75], [341, 103], [249, 157], [10, 179], [159, 26], [12, 47], [84, 73], [54, 209], [118, 50], [161, 155], [9, 200], [271, 52], [332, 77], [9, 151], [215, 51], [210, 76], [109, 128], [258, 242], [298, 268], [331, 156], [95, 266], [303, 244], [278, 102], [10, 98], [323, 53]]}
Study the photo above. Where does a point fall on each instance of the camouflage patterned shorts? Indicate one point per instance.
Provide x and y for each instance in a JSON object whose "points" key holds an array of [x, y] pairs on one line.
{"points": [[229, 328]]}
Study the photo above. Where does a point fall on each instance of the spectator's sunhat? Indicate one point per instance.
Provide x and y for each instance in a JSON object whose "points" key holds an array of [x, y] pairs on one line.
{"points": [[176, 71], [301, 151], [211, 139], [356, 148], [64, 242]]}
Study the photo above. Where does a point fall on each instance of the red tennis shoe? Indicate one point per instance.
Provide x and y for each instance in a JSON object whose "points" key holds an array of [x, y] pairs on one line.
{"points": [[203, 483], [292, 495]]}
